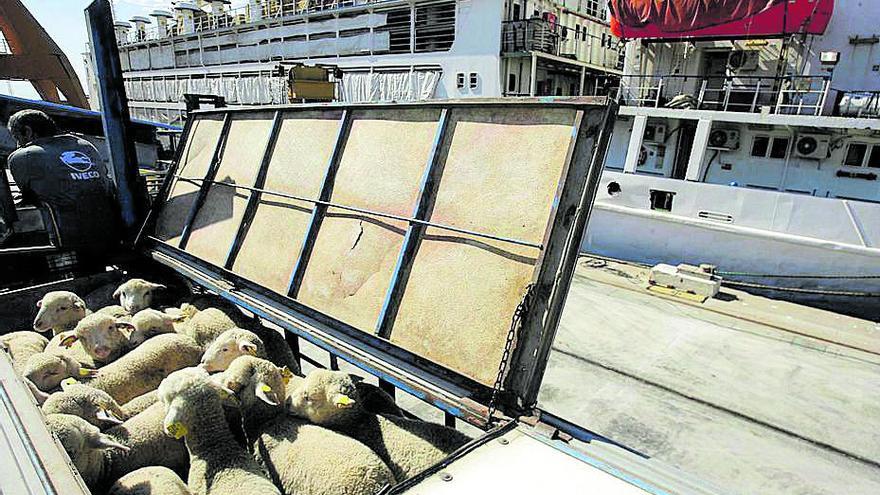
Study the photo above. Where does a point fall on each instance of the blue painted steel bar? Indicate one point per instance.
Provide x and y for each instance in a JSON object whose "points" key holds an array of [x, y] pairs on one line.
{"points": [[308, 244], [131, 190], [206, 185], [427, 192], [254, 200]]}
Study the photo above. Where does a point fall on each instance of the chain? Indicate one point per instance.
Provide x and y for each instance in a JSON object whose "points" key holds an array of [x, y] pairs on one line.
{"points": [[518, 314]]}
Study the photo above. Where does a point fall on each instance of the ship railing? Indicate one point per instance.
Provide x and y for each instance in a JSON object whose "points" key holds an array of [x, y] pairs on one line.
{"points": [[269, 9], [544, 36], [791, 95]]}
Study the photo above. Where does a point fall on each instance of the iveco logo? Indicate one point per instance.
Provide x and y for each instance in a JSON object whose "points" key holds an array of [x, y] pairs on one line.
{"points": [[77, 161]]}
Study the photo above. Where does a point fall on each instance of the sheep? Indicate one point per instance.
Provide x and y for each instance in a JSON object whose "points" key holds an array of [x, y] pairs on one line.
{"points": [[206, 325], [151, 322], [84, 443], [142, 369], [302, 459], [139, 403], [153, 480], [91, 404], [104, 337], [21, 346], [218, 464], [148, 445], [136, 294], [59, 311], [329, 398], [46, 371], [237, 342]]}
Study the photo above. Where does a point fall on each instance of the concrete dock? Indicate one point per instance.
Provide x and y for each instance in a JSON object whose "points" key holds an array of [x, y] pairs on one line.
{"points": [[752, 395]]}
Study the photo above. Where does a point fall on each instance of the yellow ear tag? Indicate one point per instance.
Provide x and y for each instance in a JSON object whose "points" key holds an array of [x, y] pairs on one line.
{"points": [[265, 388], [252, 351], [343, 401], [177, 430], [86, 372], [286, 375], [69, 381]]}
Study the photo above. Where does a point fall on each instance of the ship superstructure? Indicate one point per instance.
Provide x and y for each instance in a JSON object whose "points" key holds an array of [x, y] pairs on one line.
{"points": [[386, 50]]}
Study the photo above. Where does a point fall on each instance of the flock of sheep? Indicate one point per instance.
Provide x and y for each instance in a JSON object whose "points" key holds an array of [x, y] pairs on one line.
{"points": [[199, 399]]}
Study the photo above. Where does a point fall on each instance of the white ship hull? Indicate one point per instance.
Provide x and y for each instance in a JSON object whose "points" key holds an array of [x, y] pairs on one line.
{"points": [[747, 231]]}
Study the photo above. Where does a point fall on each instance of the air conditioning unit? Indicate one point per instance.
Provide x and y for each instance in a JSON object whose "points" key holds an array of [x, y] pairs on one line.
{"points": [[813, 146], [743, 60], [652, 156], [655, 133], [724, 140]]}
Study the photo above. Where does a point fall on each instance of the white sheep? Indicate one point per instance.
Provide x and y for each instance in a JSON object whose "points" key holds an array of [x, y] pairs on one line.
{"points": [[139, 403], [103, 337], [329, 398], [91, 404], [229, 345], [136, 294], [21, 346], [84, 443], [218, 464], [153, 480], [206, 325], [46, 371], [151, 322], [148, 445], [142, 369], [301, 458], [59, 311]]}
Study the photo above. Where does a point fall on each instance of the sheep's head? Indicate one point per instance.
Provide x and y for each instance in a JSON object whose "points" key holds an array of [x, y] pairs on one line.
{"points": [[186, 394], [136, 294], [46, 371], [325, 397], [58, 309], [102, 336], [80, 439], [229, 345], [252, 378], [91, 404], [149, 323]]}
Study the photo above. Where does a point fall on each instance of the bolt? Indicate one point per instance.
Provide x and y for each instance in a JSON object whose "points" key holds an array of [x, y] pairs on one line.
{"points": [[445, 476], [503, 441]]}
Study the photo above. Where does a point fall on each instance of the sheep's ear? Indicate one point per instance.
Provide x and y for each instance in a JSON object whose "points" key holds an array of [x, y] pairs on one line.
{"points": [[40, 303], [247, 347], [103, 441], [286, 375], [124, 325], [156, 286], [262, 391], [117, 292], [108, 416], [68, 340], [79, 304], [227, 396], [172, 425], [175, 317], [342, 401]]}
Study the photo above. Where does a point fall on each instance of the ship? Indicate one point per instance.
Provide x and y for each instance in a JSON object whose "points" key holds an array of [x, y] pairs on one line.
{"points": [[747, 137]]}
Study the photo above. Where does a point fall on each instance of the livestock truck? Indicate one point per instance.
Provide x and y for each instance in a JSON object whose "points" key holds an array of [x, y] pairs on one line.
{"points": [[429, 246]]}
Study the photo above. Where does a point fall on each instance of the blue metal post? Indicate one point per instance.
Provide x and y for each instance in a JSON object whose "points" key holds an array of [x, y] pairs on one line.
{"points": [[131, 190]]}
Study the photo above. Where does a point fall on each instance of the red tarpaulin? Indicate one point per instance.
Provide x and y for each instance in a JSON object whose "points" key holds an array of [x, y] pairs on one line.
{"points": [[718, 18]]}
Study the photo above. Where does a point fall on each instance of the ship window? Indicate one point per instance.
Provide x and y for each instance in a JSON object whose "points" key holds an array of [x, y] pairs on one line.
{"points": [[511, 82], [779, 148], [760, 146], [874, 160], [855, 155]]}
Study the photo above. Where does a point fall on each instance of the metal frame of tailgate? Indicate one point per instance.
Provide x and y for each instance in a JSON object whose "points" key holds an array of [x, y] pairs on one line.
{"points": [[448, 390]]}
